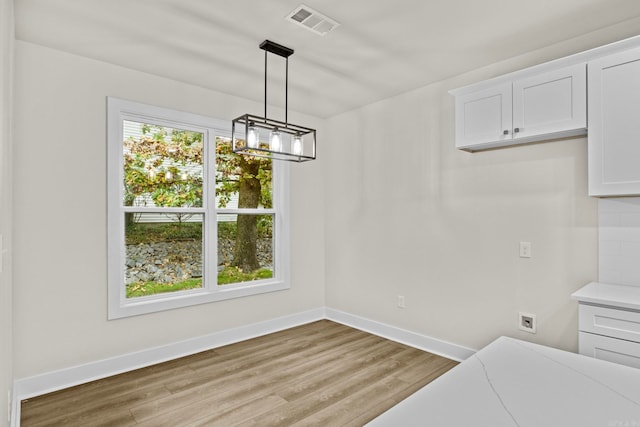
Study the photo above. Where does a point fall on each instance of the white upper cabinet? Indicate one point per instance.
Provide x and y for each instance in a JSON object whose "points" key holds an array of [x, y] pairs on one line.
{"points": [[614, 124], [551, 103], [484, 117], [540, 106]]}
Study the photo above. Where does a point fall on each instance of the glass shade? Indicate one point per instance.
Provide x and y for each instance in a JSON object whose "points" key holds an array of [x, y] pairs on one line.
{"points": [[275, 140], [296, 148], [253, 137]]}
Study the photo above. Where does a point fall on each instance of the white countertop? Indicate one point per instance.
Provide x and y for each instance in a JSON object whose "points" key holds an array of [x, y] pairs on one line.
{"points": [[516, 383], [623, 296]]}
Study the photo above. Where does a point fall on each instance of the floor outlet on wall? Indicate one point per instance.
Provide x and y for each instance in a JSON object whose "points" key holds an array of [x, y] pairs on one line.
{"points": [[527, 322], [401, 302]]}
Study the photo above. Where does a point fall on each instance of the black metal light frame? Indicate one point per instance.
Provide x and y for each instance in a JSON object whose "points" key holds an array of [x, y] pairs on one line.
{"points": [[298, 143]]}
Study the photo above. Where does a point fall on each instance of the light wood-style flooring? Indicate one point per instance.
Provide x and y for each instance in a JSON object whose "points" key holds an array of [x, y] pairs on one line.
{"points": [[319, 374]]}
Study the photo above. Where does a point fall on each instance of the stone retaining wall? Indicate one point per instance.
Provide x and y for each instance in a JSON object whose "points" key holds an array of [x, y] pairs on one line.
{"points": [[169, 262]]}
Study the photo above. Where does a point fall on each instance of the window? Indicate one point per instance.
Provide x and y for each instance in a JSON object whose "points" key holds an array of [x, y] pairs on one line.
{"points": [[189, 221]]}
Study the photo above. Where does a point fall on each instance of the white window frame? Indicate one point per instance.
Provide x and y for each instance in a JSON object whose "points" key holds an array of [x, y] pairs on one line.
{"points": [[119, 305]]}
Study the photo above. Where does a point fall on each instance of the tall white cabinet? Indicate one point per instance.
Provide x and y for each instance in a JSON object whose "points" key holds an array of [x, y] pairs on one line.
{"points": [[614, 124], [536, 106]]}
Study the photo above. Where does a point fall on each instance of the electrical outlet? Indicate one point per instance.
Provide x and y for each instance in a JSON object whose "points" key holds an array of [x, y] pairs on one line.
{"points": [[401, 302], [525, 249], [527, 322]]}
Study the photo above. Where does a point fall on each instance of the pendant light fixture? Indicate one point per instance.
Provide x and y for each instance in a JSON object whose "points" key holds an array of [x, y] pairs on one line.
{"points": [[265, 137]]}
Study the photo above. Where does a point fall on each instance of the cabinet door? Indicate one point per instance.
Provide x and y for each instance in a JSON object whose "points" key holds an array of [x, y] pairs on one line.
{"points": [[614, 121], [483, 117], [551, 103]]}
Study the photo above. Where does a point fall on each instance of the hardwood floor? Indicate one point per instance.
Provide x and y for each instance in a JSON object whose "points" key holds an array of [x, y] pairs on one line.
{"points": [[319, 374]]}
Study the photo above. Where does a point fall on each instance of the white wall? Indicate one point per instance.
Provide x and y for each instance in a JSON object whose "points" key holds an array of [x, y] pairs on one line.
{"points": [[408, 214], [6, 46], [60, 291], [619, 240]]}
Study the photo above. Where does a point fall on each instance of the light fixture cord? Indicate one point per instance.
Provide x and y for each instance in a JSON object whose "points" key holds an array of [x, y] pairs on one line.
{"points": [[286, 89]]}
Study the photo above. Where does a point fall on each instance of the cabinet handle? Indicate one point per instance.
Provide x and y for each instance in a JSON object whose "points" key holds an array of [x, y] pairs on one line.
{"points": [[516, 130], [505, 132]]}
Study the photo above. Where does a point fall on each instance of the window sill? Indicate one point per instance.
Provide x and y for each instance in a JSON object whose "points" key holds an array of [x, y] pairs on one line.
{"points": [[152, 304]]}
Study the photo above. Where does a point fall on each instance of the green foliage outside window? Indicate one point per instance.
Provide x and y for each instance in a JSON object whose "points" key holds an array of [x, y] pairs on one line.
{"points": [[165, 166]]}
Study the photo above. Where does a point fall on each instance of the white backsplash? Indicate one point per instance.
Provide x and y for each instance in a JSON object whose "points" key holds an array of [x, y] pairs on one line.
{"points": [[619, 240]]}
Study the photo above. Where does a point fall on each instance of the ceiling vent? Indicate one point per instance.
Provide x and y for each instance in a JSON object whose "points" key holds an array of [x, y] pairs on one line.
{"points": [[312, 20]]}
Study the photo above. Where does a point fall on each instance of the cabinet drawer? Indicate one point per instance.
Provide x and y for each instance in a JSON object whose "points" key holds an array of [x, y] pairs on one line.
{"points": [[610, 322], [610, 349]]}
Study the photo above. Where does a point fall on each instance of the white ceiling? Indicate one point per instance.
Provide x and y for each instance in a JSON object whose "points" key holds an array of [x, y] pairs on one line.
{"points": [[382, 48]]}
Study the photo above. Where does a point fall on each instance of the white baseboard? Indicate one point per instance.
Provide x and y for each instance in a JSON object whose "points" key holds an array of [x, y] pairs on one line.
{"points": [[423, 342], [25, 388]]}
